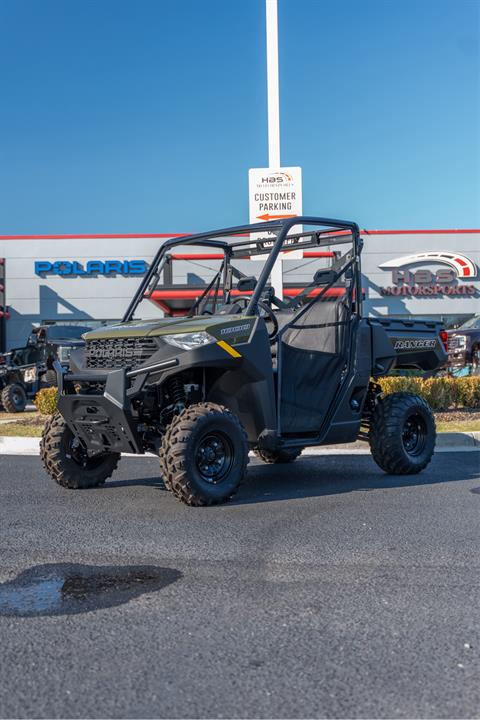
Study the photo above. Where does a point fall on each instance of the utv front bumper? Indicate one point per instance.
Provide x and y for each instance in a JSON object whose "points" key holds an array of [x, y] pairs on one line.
{"points": [[105, 421]]}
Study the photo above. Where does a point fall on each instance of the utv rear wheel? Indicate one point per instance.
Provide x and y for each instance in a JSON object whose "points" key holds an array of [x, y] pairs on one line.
{"points": [[402, 435], [14, 398], [277, 457], [66, 460], [207, 455]]}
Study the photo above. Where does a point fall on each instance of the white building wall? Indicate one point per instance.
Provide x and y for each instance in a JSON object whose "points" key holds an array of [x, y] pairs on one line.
{"points": [[32, 299]]}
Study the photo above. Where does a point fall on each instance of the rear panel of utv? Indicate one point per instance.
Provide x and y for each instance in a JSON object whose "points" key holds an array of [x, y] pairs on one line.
{"points": [[404, 344]]}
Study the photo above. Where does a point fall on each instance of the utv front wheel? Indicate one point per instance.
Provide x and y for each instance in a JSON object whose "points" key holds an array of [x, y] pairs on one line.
{"points": [[402, 434], [207, 455], [277, 457], [162, 457], [66, 460], [14, 398]]}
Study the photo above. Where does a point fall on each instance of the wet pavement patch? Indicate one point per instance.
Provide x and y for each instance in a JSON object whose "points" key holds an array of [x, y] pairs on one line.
{"points": [[65, 589]]}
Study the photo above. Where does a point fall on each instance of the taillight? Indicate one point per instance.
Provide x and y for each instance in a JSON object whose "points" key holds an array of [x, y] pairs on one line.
{"points": [[444, 339]]}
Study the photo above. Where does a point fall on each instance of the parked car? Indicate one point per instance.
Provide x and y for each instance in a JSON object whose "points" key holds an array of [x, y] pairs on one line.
{"points": [[463, 345], [25, 370]]}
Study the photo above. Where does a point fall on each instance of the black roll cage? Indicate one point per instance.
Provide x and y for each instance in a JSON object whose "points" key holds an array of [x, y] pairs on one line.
{"points": [[262, 246]]}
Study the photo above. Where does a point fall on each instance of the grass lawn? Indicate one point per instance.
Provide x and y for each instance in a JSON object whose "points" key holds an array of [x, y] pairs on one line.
{"points": [[458, 426], [18, 429], [31, 424], [27, 424]]}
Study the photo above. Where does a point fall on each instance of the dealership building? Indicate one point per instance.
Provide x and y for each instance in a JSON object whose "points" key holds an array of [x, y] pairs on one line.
{"points": [[87, 279]]}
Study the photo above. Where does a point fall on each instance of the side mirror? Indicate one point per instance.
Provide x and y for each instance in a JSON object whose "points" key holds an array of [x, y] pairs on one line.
{"points": [[247, 284]]}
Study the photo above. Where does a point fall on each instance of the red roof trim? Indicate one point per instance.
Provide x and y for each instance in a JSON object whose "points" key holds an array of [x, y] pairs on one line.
{"points": [[178, 235], [419, 232], [172, 294], [172, 235], [92, 237]]}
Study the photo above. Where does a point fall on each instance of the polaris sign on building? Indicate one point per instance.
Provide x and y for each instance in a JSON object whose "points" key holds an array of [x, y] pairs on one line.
{"points": [[84, 279], [90, 267]]}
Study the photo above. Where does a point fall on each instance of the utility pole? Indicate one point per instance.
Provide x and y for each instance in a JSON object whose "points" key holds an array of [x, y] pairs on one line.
{"points": [[273, 99], [273, 85], [274, 192]]}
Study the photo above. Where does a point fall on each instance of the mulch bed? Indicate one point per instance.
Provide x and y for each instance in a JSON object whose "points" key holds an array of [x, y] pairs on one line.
{"points": [[25, 418]]}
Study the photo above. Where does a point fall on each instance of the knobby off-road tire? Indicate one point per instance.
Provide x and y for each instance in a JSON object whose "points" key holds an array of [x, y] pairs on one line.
{"points": [[66, 461], [14, 398], [162, 457], [279, 457], [402, 434], [206, 455]]}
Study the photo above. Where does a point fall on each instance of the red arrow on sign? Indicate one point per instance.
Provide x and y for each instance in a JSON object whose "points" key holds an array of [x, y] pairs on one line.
{"points": [[274, 217]]}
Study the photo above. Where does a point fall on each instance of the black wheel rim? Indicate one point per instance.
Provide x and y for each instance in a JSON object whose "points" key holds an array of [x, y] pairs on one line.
{"points": [[414, 434], [214, 457], [17, 398]]}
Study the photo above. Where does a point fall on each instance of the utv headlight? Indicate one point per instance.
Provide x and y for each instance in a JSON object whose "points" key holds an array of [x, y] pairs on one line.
{"points": [[189, 341]]}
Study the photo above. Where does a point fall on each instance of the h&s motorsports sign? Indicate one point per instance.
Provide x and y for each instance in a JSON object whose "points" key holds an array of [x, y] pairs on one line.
{"points": [[418, 275]]}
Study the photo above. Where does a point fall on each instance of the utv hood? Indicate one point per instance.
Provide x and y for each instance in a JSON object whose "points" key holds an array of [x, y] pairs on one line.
{"points": [[162, 326]]}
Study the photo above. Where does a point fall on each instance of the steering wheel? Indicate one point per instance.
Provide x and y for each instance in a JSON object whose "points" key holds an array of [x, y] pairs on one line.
{"points": [[238, 303], [271, 317]]}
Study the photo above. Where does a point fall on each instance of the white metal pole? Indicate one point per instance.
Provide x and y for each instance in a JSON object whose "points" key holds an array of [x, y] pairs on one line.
{"points": [[272, 85], [273, 93]]}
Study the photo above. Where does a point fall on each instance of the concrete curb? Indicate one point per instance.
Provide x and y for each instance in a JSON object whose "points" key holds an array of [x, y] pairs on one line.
{"points": [[19, 445], [467, 439], [446, 442]]}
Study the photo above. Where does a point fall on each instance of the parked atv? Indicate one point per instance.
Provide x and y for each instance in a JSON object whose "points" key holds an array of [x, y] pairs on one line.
{"points": [[244, 370], [25, 370]]}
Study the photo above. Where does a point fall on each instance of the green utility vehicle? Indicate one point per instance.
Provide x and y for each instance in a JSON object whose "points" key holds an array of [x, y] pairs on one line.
{"points": [[244, 370]]}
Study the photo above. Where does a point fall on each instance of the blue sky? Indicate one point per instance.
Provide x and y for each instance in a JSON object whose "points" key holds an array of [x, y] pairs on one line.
{"points": [[123, 116]]}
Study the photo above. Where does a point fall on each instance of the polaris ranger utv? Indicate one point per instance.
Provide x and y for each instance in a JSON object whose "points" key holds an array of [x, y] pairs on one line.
{"points": [[244, 370]]}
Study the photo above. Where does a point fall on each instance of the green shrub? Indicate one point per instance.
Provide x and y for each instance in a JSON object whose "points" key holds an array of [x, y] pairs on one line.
{"points": [[469, 391], [441, 393], [46, 400]]}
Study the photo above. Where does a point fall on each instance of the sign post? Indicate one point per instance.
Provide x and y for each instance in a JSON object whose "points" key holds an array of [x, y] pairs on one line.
{"points": [[274, 192], [273, 94]]}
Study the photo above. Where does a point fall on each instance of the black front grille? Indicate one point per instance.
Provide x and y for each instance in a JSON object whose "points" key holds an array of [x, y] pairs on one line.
{"points": [[119, 352]]}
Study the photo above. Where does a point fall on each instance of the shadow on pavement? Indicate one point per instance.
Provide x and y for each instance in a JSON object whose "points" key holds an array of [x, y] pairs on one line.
{"points": [[318, 476], [315, 476], [154, 482], [68, 589]]}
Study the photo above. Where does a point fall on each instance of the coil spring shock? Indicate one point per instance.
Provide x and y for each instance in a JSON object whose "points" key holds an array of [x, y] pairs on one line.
{"points": [[176, 391]]}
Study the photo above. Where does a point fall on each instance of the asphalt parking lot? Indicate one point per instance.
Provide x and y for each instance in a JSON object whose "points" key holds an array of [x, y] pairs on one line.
{"points": [[327, 589]]}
